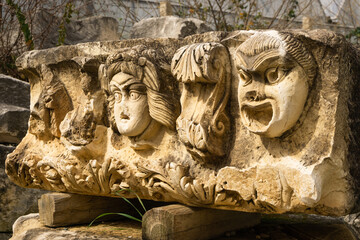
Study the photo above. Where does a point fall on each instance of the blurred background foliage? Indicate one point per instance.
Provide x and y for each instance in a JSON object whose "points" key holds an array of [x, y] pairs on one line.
{"points": [[27, 24]]}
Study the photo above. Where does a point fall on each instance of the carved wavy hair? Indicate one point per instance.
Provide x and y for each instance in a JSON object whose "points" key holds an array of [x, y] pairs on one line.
{"points": [[137, 62], [263, 41]]}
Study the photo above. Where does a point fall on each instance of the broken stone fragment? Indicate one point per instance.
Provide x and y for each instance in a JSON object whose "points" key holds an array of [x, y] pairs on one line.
{"points": [[169, 27], [14, 109], [89, 29]]}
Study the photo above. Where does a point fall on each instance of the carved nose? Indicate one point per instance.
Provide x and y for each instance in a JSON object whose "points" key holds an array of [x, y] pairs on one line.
{"points": [[36, 105], [252, 96], [123, 106]]}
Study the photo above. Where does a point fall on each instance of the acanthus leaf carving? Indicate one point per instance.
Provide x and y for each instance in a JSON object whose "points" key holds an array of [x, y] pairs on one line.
{"points": [[59, 175], [176, 183]]}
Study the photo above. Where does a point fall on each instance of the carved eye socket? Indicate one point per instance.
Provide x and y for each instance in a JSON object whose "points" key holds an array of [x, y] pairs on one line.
{"points": [[117, 96], [274, 75], [134, 95], [245, 77], [48, 99]]}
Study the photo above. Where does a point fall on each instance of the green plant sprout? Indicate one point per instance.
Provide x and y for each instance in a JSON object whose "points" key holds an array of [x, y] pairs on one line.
{"points": [[124, 214], [65, 20]]}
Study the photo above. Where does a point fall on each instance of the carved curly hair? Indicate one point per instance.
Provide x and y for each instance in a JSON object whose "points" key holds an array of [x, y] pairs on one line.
{"points": [[146, 66], [267, 40]]}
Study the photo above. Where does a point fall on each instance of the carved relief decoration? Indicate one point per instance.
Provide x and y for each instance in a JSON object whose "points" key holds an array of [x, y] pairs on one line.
{"points": [[203, 125], [276, 72], [176, 182], [140, 102], [248, 121], [49, 106]]}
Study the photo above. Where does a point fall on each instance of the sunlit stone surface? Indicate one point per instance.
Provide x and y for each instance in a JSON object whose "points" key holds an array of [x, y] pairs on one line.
{"points": [[250, 121]]}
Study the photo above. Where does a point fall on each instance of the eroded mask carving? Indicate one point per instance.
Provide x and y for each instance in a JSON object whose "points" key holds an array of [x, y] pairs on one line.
{"points": [[50, 105], [275, 73], [140, 95], [131, 109]]}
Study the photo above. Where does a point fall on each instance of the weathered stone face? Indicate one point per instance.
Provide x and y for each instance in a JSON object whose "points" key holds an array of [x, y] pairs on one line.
{"points": [[249, 121], [273, 85]]}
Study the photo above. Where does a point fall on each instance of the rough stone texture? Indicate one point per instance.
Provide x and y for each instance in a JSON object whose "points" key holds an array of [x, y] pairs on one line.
{"points": [[29, 227], [272, 227], [165, 8], [14, 201], [168, 26], [96, 28], [14, 117], [5, 236], [256, 121], [4, 151], [14, 92], [14, 109]]}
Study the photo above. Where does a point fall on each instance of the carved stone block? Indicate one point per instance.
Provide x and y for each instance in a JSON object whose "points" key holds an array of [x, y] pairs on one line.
{"points": [[256, 121]]}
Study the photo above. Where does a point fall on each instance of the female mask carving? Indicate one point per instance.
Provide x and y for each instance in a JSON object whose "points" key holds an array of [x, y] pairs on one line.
{"points": [[139, 103]]}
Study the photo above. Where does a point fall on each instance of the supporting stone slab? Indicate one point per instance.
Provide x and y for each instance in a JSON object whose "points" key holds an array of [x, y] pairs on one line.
{"points": [[63, 209], [188, 223], [285, 226], [29, 227]]}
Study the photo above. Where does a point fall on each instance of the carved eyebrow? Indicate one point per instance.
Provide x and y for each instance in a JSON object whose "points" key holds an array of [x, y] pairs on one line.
{"points": [[114, 87], [125, 85], [138, 86], [258, 65], [273, 58], [253, 63]]}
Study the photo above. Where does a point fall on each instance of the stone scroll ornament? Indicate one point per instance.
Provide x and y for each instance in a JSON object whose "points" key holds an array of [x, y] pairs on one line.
{"points": [[203, 125]]}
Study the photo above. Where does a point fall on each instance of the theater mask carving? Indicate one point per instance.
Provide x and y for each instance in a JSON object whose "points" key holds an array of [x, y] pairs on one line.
{"points": [[275, 74]]}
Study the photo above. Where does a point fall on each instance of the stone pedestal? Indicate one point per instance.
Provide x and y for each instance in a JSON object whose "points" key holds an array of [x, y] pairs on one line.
{"points": [[272, 227], [29, 227]]}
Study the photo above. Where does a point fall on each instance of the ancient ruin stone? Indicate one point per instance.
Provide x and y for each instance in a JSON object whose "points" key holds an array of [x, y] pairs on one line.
{"points": [[257, 121], [14, 116], [15, 201], [14, 109], [89, 29], [168, 26], [30, 227]]}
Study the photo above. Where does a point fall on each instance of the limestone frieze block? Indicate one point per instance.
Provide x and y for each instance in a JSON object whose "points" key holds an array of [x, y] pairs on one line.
{"points": [[256, 121]]}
